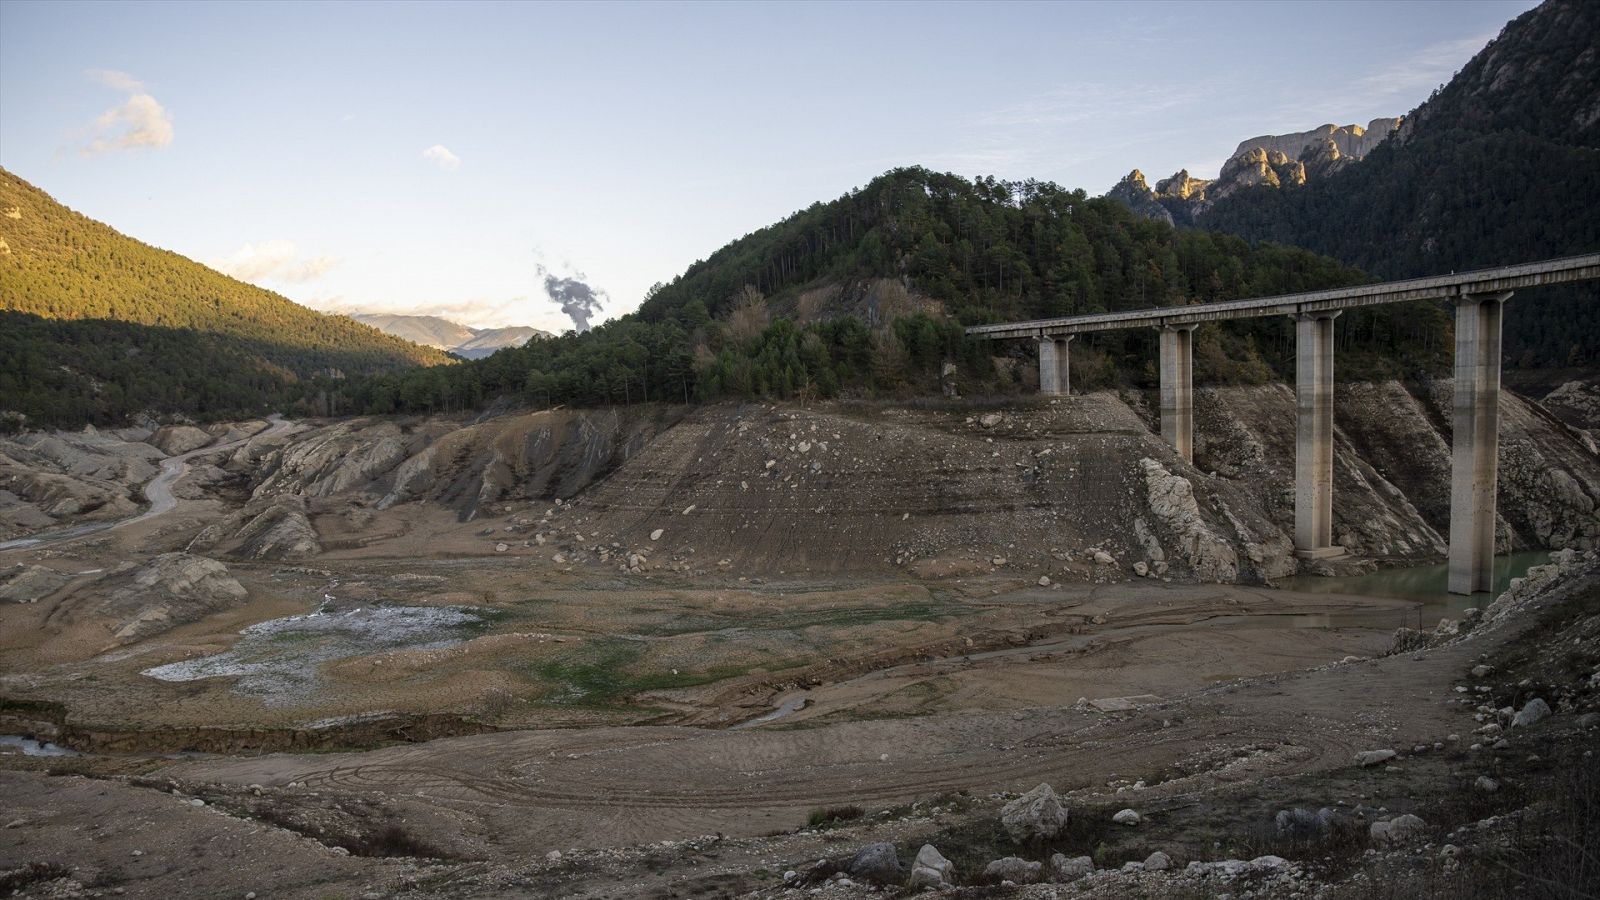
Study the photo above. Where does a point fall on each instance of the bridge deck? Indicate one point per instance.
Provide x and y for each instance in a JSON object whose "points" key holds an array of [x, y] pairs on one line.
{"points": [[1437, 287]]}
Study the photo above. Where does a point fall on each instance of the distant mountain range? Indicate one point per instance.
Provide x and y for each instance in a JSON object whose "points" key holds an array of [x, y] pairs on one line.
{"points": [[452, 337]]}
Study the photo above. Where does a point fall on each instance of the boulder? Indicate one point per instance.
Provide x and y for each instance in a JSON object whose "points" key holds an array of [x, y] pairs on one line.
{"points": [[1299, 824], [172, 589], [1127, 817], [930, 870], [176, 439], [1367, 758], [1535, 710], [1157, 862], [877, 863], [1399, 830], [1063, 869], [1038, 815], [1013, 869], [1486, 784]]}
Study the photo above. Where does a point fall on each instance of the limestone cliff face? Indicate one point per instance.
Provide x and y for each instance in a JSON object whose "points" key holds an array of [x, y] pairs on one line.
{"points": [[1275, 160], [1347, 141]]}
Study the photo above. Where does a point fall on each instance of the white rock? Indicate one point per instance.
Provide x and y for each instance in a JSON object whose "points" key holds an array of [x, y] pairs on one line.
{"points": [[931, 869], [1039, 814], [1127, 817], [1535, 710], [656, 535], [1368, 758]]}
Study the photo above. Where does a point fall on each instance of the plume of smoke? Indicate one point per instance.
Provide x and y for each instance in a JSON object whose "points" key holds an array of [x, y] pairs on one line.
{"points": [[577, 299]]}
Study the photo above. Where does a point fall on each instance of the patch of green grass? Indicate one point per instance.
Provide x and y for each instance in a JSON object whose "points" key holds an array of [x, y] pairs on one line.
{"points": [[603, 675]]}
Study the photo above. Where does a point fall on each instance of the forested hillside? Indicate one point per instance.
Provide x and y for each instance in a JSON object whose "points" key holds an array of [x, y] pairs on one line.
{"points": [[96, 326], [1500, 166], [740, 324]]}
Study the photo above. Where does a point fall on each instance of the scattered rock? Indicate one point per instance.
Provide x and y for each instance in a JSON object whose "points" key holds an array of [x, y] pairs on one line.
{"points": [[1396, 831], [1038, 815], [877, 863], [1367, 758], [1535, 710], [1127, 817], [656, 535], [1013, 869], [1063, 869], [1157, 862], [931, 869], [1486, 784]]}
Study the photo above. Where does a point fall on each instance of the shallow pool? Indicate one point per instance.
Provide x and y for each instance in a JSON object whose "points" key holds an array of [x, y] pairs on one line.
{"points": [[278, 660]]}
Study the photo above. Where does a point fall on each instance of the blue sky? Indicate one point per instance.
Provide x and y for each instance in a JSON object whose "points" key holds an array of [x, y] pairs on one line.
{"points": [[429, 158]]}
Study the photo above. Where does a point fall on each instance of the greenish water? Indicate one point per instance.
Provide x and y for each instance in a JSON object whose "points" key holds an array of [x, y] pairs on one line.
{"points": [[1426, 585]]}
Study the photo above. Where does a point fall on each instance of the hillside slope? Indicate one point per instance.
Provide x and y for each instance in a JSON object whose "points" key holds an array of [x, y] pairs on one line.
{"points": [[866, 295], [98, 326], [1500, 166]]}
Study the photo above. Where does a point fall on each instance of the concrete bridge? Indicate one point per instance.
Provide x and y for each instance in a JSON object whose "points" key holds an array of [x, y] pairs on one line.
{"points": [[1479, 298]]}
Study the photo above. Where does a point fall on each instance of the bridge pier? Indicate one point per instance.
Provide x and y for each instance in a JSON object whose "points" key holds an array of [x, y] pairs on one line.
{"points": [[1177, 388], [1475, 441], [1054, 378], [1313, 455]]}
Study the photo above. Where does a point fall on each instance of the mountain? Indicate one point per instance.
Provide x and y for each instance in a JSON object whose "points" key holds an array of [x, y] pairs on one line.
{"points": [[1271, 160], [486, 341], [1501, 165], [96, 326], [867, 295], [443, 334], [429, 331]]}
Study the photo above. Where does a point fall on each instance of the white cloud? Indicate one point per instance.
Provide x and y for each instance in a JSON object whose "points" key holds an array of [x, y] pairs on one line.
{"points": [[117, 81], [441, 156], [140, 122], [272, 261]]}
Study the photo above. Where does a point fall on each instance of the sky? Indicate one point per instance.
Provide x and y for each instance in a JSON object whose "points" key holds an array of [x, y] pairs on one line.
{"points": [[478, 161]]}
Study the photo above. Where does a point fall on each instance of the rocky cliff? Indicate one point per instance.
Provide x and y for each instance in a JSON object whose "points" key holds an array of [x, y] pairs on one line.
{"points": [[1276, 160]]}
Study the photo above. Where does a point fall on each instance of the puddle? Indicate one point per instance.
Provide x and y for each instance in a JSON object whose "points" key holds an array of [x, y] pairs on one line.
{"points": [[787, 705], [10, 743], [278, 660]]}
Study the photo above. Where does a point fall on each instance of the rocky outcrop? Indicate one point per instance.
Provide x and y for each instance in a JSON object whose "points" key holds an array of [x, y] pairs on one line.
{"points": [[170, 590], [1209, 555], [52, 479], [1278, 161], [29, 584], [1577, 403], [1351, 142], [540, 455], [272, 529], [176, 439], [1134, 193], [1392, 466]]}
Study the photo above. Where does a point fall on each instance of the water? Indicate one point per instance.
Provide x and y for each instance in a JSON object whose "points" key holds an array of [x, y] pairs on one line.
{"points": [[278, 660], [1426, 585], [785, 706], [31, 747]]}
